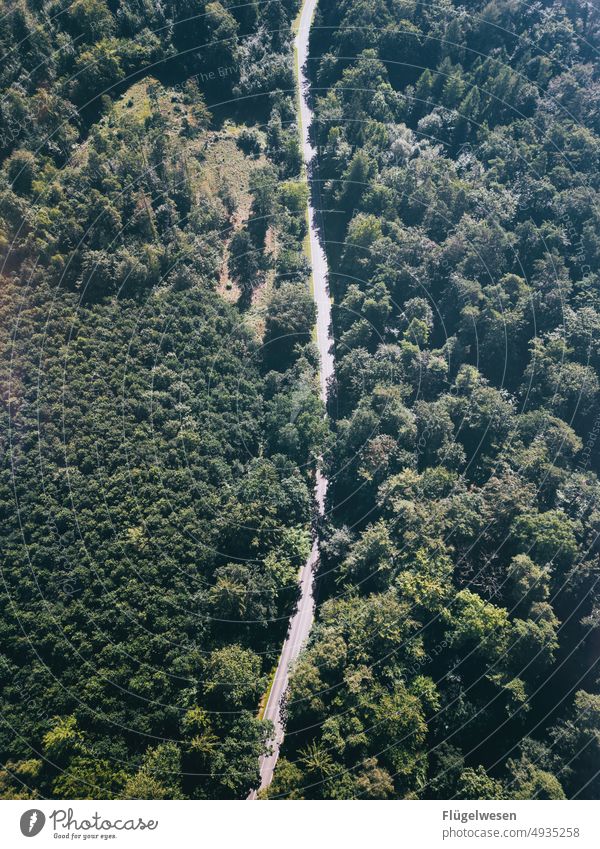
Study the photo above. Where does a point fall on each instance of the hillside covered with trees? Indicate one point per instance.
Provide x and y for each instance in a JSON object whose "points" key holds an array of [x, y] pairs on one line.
{"points": [[456, 645], [159, 416]]}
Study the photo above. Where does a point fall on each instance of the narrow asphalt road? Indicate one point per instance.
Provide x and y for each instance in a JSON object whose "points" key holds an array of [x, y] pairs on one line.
{"points": [[301, 622]]}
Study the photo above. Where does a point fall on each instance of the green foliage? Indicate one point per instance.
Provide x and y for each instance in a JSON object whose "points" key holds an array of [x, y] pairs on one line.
{"points": [[289, 322], [155, 487], [158, 776], [458, 167], [155, 481]]}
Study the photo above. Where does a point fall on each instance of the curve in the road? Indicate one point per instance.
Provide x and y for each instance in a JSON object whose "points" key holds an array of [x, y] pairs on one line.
{"points": [[301, 621]]}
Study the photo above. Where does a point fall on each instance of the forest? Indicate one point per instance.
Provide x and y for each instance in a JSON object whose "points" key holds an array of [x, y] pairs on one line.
{"points": [[456, 645], [160, 422], [158, 381]]}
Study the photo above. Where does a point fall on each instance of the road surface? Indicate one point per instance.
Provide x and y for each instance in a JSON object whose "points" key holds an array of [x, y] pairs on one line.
{"points": [[301, 622]]}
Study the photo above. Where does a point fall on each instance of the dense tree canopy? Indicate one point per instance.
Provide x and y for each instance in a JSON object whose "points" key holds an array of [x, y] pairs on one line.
{"points": [[160, 418], [157, 460], [455, 649]]}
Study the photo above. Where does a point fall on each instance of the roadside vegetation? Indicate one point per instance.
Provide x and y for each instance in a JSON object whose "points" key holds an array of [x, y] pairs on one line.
{"points": [[456, 644], [160, 415]]}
